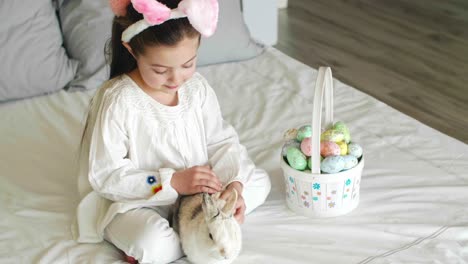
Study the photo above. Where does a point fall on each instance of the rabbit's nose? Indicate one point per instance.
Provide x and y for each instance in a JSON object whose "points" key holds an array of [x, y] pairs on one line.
{"points": [[222, 252]]}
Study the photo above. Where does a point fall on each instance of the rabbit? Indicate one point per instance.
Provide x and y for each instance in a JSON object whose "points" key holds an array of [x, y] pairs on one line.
{"points": [[208, 231]]}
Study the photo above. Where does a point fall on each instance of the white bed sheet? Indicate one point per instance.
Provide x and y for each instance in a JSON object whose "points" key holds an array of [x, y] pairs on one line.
{"points": [[414, 192]]}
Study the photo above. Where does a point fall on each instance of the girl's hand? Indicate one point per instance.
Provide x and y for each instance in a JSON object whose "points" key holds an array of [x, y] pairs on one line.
{"points": [[195, 180], [239, 209]]}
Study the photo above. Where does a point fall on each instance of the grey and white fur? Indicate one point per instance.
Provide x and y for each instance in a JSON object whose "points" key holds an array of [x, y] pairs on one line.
{"points": [[208, 231]]}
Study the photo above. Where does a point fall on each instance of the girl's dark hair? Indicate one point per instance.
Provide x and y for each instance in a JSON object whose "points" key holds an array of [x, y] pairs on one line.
{"points": [[121, 61], [168, 33]]}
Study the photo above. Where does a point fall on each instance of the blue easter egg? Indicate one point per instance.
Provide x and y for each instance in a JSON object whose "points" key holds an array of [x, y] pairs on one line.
{"points": [[332, 164], [350, 161], [355, 150]]}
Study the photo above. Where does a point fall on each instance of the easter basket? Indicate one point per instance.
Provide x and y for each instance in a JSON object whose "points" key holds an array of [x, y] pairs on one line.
{"points": [[315, 194]]}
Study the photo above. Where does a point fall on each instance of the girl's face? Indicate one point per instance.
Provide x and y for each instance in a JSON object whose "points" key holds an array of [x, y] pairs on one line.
{"points": [[166, 68]]}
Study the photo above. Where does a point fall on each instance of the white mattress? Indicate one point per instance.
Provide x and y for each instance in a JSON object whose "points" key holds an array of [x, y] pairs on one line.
{"points": [[414, 194]]}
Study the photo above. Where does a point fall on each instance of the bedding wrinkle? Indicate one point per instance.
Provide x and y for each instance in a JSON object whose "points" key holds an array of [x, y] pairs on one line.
{"points": [[407, 246]]}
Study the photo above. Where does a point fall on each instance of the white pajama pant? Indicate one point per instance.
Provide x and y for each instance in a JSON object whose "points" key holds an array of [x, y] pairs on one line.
{"points": [[145, 234]]}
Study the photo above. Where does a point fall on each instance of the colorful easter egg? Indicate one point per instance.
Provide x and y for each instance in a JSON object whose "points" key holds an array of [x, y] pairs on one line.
{"points": [[303, 132], [349, 162], [332, 164], [306, 146], [340, 126], [290, 134], [329, 148], [343, 147], [332, 135], [296, 159], [290, 143], [355, 150]]}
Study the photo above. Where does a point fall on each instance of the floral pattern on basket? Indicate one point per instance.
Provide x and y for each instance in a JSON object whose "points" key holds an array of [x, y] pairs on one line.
{"points": [[321, 196]]}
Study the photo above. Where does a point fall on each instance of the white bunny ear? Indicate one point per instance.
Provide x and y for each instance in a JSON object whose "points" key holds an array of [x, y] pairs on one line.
{"points": [[209, 206], [229, 207]]}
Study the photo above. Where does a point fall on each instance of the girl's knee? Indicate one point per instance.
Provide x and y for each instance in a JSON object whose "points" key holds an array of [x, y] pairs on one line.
{"points": [[256, 192], [267, 184], [157, 243], [263, 184]]}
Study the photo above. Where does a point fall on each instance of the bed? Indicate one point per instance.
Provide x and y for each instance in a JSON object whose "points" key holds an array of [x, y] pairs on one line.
{"points": [[414, 194], [414, 191]]}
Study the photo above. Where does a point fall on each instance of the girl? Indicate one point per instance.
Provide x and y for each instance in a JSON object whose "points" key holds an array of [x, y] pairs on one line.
{"points": [[155, 131]]}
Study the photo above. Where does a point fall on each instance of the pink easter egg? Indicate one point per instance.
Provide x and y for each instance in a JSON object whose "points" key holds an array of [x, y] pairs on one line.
{"points": [[306, 147], [329, 148]]}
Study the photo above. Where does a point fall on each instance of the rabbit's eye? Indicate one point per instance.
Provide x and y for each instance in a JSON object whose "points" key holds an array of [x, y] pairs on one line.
{"points": [[211, 236]]}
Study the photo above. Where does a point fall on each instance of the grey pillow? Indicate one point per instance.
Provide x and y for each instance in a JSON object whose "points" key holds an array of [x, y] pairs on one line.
{"points": [[86, 26], [33, 59], [231, 41]]}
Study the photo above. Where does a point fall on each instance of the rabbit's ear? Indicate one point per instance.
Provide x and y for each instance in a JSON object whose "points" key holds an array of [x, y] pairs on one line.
{"points": [[228, 208], [209, 206], [218, 202], [216, 195]]}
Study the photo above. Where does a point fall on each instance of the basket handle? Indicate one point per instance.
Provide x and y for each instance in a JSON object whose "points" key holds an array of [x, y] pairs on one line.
{"points": [[323, 87]]}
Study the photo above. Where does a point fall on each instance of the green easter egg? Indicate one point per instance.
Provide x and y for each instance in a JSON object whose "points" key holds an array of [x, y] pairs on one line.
{"points": [[296, 159], [303, 132], [288, 144], [340, 126]]}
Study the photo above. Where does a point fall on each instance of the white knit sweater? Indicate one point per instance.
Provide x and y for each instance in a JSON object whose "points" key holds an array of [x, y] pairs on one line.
{"points": [[133, 145]]}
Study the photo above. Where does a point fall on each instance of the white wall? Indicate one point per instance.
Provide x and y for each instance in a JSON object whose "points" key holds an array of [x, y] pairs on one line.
{"points": [[261, 17]]}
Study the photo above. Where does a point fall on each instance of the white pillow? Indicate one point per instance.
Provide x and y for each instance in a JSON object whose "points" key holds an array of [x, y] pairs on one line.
{"points": [[231, 41], [86, 27]]}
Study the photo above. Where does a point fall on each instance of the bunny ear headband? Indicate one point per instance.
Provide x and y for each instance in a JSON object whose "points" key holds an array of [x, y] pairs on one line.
{"points": [[202, 14]]}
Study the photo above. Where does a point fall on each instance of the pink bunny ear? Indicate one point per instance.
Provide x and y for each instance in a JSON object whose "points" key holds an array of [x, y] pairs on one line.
{"points": [[202, 14], [154, 12], [119, 7]]}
